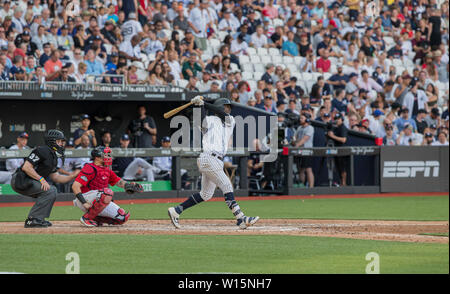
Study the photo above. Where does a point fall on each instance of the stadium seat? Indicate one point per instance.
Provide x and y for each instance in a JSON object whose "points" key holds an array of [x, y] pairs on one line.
{"points": [[265, 59], [288, 59], [326, 76], [251, 51], [234, 67], [247, 67], [222, 35], [139, 64], [293, 68], [274, 52], [246, 75], [244, 59], [108, 48], [182, 83], [255, 59], [262, 51], [142, 74], [277, 59], [257, 75], [307, 76], [206, 57], [215, 45], [397, 62], [253, 85], [298, 60]]}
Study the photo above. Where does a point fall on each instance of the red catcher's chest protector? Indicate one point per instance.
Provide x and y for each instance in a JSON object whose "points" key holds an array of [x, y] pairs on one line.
{"points": [[100, 179]]}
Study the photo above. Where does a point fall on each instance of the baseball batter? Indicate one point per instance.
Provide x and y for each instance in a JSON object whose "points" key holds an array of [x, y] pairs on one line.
{"points": [[94, 197], [217, 130]]}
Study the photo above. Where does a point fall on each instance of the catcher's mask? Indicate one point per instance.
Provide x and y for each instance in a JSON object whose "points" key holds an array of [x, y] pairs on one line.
{"points": [[50, 139], [105, 154], [107, 192]]}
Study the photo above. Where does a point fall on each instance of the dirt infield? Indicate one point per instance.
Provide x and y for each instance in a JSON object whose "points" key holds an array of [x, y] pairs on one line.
{"points": [[402, 231]]}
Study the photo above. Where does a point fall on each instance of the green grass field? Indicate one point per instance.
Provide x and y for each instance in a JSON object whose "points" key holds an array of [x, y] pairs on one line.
{"points": [[237, 254]]}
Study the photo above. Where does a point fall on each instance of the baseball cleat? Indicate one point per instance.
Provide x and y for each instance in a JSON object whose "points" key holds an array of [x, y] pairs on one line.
{"points": [[49, 224], [35, 223], [88, 222], [246, 222], [174, 216]]}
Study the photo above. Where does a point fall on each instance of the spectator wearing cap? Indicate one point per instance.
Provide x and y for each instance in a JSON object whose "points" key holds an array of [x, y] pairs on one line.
{"points": [[404, 119], [433, 118], [65, 75], [268, 104], [108, 33], [338, 80], [31, 47], [85, 131], [367, 83], [192, 66], [229, 23], [420, 121], [428, 138], [415, 99], [293, 88], [396, 52], [52, 36], [65, 40], [21, 144], [131, 27], [180, 22], [339, 136], [6, 10]]}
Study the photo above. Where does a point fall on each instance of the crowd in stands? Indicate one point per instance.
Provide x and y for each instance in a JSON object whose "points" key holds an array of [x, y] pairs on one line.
{"points": [[382, 65]]}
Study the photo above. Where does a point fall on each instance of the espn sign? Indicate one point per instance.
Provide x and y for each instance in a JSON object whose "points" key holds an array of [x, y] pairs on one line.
{"points": [[414, 169], [410, 169]]}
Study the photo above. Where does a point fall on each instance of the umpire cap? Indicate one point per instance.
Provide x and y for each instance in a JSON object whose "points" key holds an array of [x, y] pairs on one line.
{"points": [[221, 102]]}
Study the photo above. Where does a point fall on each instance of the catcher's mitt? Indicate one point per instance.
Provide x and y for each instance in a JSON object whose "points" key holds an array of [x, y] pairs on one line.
{"points": [[131, 188]]}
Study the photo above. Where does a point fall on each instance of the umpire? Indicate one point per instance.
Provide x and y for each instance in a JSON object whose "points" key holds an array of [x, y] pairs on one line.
{"points": [[31, 178]]}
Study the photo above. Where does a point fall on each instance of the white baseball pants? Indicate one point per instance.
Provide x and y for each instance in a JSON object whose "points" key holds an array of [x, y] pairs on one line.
{"points": [[212, 176]]}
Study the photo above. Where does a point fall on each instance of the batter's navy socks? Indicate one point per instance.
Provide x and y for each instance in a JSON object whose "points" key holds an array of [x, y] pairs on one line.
{"points": [[191, 201], [232, 204]]}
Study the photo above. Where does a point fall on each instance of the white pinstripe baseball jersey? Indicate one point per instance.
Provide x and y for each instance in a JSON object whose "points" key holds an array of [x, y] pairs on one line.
{"points": [[216, 137]]}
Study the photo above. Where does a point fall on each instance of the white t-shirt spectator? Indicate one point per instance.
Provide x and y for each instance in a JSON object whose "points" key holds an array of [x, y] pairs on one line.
{"points": [[409, 101], [437, 143], [241, 48], [405, 140], [233, 23], [128, 49], [130, 28], [199, 19], [175, 69], [258, 41]]}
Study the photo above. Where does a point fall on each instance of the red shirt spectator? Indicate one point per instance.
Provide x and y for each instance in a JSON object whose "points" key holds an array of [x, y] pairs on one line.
{"points": [[323, 64]]}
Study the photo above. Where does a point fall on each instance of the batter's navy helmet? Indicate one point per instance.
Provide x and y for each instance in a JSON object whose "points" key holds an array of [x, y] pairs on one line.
{"points": [[221, 102]]}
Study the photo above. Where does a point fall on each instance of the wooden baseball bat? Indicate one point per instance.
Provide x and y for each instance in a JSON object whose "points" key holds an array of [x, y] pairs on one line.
{"points": [[178, 109]]}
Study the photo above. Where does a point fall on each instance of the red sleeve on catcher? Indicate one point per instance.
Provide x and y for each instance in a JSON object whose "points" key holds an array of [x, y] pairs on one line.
{"points": [[113, 178], [85, 175]]}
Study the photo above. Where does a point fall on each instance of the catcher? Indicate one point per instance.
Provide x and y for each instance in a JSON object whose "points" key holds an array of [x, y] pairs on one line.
{"points": [[94, 197]]}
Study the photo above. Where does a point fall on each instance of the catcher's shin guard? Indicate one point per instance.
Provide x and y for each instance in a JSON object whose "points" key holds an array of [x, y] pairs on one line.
{"points": [[99, 205], [122, 217]]}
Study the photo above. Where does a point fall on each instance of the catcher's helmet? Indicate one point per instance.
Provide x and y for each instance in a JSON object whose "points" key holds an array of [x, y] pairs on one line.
{"points": [[50, 140], [221, 102], [104, 153]]}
